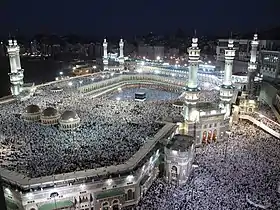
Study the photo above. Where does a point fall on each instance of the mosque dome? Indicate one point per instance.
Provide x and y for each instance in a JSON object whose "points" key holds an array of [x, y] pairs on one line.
{"points": [[50, 112], [31, 113], [69, 115], [69, 120], [30, 109]]}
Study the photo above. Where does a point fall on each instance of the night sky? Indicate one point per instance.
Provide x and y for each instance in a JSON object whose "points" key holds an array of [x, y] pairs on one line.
{"points": [[108, 17]]}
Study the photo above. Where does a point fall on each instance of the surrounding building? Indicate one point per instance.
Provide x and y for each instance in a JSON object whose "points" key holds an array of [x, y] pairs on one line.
{"points": [[269, 62], [151, 52], [242, 48]]}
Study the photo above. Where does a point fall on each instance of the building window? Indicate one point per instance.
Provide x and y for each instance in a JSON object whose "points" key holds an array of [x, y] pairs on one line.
{"points": [[174, 172], [105, 206], [130, 195]]}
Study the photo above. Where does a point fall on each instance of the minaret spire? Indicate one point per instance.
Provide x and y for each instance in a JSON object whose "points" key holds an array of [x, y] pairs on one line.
{"points": [[226, 90], [252, 66], [16, 74], [105, 54], [192, 90], [121, 56]]}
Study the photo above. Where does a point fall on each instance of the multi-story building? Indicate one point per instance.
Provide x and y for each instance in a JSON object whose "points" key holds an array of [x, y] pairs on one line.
{"points": [[243, 47], [129, 49], [34, 48], [91, 50], [269, 62], [98, 49], [151, 52], [172, 52]]}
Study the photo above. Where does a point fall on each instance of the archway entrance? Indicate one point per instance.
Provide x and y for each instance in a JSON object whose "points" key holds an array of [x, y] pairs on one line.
{"points": [[204, 136], [105, 206], [209, 137], [115, 205], [174, 175], [214, 137]]}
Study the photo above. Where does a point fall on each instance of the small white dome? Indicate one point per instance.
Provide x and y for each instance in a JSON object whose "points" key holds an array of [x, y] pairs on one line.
{"points": [[50, 112], [30, 109], [69, 115]]}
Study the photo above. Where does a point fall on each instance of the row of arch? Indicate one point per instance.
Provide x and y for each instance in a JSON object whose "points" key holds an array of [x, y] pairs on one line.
{"points": [[115, 205], [209, 136]]}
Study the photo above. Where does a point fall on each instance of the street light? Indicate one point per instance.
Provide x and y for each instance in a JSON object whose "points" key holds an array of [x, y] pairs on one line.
{"points": [[158, 58], [61, 73]]}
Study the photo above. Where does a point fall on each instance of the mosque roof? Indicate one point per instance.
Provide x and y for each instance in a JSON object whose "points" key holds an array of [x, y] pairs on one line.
{"points": [[50, 112], [240, 73], [180, 143], [68, 115], [56, 88], [178, 103], [32, 109], [204, 106]]}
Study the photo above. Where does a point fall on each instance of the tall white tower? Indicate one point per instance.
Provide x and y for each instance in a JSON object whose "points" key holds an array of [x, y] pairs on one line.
{"points": [[192, 91], [252, 66], [15, 76], [121, 57], [105, 54], [19, 69], [226, 90]]}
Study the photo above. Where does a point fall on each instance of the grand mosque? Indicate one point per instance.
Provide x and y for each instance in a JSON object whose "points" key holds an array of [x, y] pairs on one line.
{"points": [[169, 153]]}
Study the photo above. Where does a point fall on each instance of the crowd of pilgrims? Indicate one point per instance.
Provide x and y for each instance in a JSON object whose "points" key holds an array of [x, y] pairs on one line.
{"points": [[240, 173], [266, 116], [111, 131]]}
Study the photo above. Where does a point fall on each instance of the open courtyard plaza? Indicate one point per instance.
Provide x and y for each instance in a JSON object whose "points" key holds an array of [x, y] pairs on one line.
{"points": [[110, 133], [111, 130], [162, 94], [240, 173]]}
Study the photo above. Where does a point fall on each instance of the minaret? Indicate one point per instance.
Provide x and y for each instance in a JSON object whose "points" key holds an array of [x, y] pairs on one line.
{"points": [[121, 57], [252, 66], [226, 90], [15, 77], [192, 90], [19, 69], [105, 55]]}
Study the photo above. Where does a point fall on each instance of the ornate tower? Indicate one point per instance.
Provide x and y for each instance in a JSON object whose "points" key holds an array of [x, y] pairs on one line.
{"points": [[19, 69], [121, 57], [192, 90], [226, 90], [252, 66], [15, 76], [105, 55]]}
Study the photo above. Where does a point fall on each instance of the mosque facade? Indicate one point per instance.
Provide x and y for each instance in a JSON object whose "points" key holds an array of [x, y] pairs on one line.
{"points": [[169, 154]]}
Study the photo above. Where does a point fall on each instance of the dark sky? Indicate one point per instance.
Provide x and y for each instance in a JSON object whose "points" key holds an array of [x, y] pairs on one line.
{"points": [[123, 17]]}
